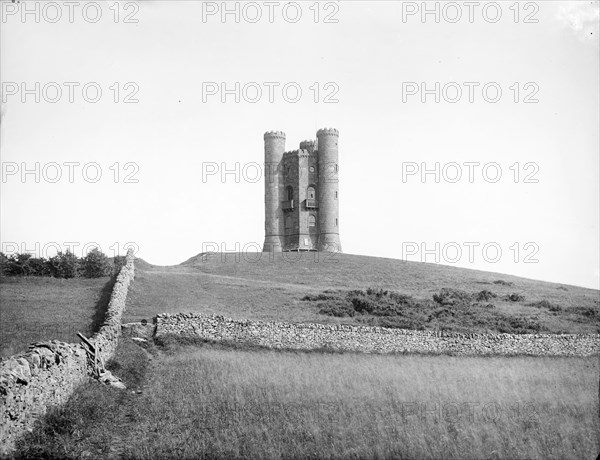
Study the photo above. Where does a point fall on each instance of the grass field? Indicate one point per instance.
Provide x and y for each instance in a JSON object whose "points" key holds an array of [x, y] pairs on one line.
{"points": [[43, 308], [215, 402], [266, 287]]}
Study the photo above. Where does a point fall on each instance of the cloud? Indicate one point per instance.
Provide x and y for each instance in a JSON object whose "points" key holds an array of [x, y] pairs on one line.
{"points": [[582, 18]]}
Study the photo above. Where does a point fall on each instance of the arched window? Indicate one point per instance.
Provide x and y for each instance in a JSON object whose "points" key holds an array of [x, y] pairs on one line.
{"points": [[312, 221], [311, 194], [289, 190]]}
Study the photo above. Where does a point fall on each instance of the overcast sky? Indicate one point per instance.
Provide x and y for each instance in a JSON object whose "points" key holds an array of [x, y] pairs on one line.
{"points": [[361, 68]]}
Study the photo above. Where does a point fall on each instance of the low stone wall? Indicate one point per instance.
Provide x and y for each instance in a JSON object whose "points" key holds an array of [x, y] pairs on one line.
{"points": [[49, 372], [308, 336]]}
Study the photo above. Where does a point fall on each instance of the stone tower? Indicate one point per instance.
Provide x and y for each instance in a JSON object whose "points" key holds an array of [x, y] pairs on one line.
{"points": [[301, 194]]}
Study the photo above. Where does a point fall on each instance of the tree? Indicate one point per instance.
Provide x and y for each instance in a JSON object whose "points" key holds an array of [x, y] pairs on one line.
{"points": [[95, 264], [63, 265], [17, 264]]}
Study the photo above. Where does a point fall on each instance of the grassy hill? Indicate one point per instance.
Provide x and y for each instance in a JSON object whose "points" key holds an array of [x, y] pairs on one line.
{"points": [[272, 287]]}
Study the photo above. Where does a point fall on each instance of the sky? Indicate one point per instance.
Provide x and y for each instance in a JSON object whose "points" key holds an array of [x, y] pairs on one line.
{"points": [[149, 120]]}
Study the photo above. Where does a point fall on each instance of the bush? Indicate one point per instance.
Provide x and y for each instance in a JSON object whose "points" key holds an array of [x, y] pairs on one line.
{"points": [[515, 297], [485, 295], [448, 296], [504, 283], [451, 310], [64, 265], [118, 263], [545, 304], [95, 265], [17, 264]]}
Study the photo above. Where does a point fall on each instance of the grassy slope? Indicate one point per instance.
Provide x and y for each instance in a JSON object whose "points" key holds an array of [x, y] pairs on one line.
{"points": [[41, 308], [270, 287], [216, 402]]}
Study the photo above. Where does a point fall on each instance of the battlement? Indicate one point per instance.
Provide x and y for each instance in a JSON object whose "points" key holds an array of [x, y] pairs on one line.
{"points": [[307, 145], [328, 132], [297, 152], [274, 134]]}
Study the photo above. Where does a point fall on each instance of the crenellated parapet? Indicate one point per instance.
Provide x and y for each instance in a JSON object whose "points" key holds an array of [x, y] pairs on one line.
{"points": [[307, 145], [328, 132], [274, 135]]}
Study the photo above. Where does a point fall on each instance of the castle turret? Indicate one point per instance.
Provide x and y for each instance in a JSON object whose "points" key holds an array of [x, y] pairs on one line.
{"points": [[328, 190], [274, 148]]}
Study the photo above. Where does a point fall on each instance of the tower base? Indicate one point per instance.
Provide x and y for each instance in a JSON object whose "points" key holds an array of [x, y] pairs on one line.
{"points": [[330, 243], [272, 244]]}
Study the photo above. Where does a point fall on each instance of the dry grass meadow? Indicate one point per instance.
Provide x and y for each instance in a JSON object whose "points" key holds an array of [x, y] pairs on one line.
{"points": [[226, 403], [43, 308]]}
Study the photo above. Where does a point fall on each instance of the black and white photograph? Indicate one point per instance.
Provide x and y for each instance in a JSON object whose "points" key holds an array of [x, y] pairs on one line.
{"points": [[300, 230]]}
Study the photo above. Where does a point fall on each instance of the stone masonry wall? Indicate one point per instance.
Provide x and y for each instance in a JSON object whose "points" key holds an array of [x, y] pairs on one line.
{"points": [[307, 336], [49, 372]]}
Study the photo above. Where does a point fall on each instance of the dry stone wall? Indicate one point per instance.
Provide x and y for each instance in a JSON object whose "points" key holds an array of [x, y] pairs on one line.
{"points": [[308, 336], [49, 372]]}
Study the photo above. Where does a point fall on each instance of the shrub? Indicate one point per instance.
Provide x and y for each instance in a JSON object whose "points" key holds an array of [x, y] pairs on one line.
{"points": [[38, 266], [339, 308], [448, 296], [515, 297], [504, 283], [545, 304], [17, 264], [95, 265], [64, 265], [118, 263], [485, 295]]}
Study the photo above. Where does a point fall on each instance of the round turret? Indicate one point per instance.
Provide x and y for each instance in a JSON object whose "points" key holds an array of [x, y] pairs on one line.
{"points": [[328, 190], [274, 148]]}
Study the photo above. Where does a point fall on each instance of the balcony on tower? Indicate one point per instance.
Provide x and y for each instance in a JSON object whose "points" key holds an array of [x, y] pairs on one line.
{"points": [[311, 204], [287, 205]]}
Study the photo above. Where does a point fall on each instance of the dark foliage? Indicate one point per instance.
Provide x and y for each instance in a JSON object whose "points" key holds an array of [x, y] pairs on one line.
{"points": [[62, 265], [450, 310]]}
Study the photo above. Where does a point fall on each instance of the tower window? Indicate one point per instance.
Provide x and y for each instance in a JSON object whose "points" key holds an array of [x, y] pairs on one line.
{"points": [[290, 192], [312, 221], [336, 195], [310, 193], [336, 222], [288, 223]]}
